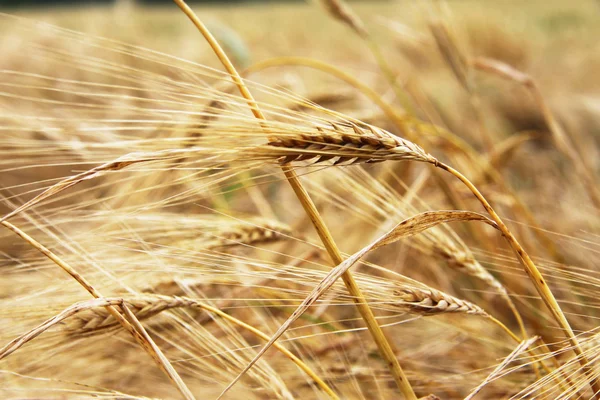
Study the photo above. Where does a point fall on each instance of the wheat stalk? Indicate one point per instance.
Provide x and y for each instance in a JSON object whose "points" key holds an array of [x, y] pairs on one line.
{"points": [[534, 275]]}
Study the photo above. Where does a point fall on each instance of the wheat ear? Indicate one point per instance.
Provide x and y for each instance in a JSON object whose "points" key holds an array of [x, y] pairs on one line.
{"points": [[344, 144], [428, 301]]}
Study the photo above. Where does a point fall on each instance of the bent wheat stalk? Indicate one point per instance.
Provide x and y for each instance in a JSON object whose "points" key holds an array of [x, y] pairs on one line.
{"points": [[534, 275], [343, 145], [425, 302], [383, 344]]}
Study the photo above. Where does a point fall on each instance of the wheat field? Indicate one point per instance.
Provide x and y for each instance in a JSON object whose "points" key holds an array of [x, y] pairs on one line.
{"points": [[372, 200]]}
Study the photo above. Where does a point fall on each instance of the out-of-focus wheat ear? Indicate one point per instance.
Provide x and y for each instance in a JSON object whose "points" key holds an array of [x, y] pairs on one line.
{"points": [[505, 150], [430, 397], [451, 53], [265, 231], [143, 339], [259, 231], [457, 60], [18, 342], [367, 314], [562, 141], [534, 275], [339, 10]]}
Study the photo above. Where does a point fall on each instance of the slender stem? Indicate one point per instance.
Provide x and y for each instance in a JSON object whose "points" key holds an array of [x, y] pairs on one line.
{"points": [[383, 344], [264, 336], [363, 308], [145, 341], [516, 314], [535, 276]]}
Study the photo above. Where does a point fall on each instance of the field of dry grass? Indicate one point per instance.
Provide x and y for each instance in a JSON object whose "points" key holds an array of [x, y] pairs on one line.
{"points": [[400, 198]]}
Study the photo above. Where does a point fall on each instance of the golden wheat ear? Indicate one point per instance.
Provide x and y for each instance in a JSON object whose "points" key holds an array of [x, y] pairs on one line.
{"points": [[343, 145]]}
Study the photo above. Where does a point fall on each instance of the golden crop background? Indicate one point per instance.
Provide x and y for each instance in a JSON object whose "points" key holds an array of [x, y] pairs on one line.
{"points": [[196, 215]]}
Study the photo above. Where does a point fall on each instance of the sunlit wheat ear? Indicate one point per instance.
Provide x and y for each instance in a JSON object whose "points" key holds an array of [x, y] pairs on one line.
{"points": [[429, 301], [343, 144]]}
